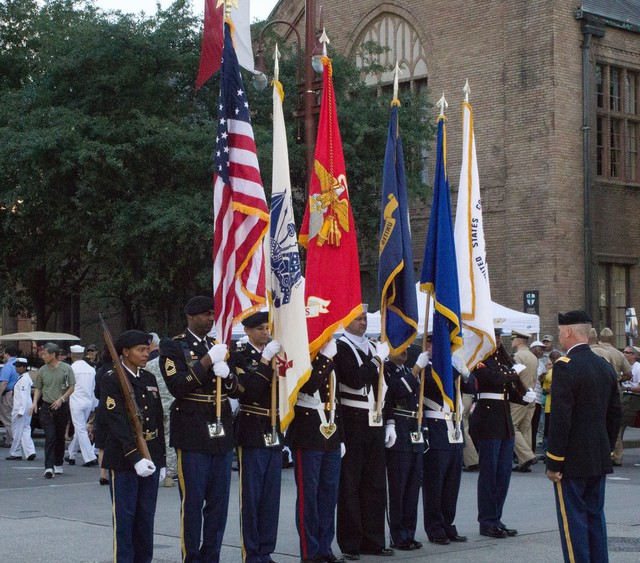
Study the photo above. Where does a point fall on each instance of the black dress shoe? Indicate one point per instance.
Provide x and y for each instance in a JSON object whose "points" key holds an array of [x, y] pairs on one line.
{"points": [[471, 468], [331, 558], [31, 457], [404, 546], [440, 540], [70, 461], [382, 552], [493, 532], [416, 544], [521, 469], [13, 457], [509, 531], [103, 481], [91, 463], [458, 539], [351, 556]]}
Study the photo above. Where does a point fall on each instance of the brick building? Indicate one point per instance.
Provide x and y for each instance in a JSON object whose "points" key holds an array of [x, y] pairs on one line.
{"points": [[560, 187]]}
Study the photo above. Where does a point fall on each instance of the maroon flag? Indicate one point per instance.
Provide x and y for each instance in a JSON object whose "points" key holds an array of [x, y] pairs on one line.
{"points": [[212, 39]]}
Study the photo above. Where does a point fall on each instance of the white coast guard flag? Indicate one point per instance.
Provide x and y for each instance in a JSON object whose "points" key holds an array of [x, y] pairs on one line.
{"points": [[473, 272], [286, 284]]}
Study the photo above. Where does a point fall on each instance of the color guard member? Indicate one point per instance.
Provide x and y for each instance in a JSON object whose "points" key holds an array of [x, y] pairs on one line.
{"points": [[315, 436], [404, 457], [362, 493], [134, 479], [190, 363], [259, 451]]}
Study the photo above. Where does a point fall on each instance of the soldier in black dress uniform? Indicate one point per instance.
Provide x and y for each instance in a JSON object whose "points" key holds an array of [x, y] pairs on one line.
{"points": [[134, 479], [582, 435], [404, 457], [491, 429], [260, 465], [362, 493], [442, 464], [190, 363], [315, 436]]}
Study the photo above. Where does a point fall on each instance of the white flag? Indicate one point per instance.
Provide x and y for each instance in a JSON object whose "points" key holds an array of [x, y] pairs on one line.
{"points": [[473, 272], [286, 284]]}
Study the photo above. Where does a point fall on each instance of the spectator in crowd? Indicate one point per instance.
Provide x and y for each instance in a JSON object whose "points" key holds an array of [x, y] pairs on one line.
{"points": [[21, 419], [8, 378], [596, 348], [537, 349], [630, 397], [55, 382]]}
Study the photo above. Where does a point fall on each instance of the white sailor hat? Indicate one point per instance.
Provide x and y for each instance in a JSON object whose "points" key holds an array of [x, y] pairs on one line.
{"points": [[76, 349]]}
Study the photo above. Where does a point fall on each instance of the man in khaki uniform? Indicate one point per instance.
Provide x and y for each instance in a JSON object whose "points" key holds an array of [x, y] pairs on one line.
{"points": [[596, 348], [623, 372], [522, 414]]}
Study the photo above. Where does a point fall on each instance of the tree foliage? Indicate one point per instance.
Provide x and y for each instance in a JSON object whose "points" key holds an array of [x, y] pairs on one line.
{"points": [[105, 157]]}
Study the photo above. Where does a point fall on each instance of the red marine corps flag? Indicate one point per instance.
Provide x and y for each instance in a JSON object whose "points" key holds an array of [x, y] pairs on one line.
{"points": [[332, 286], [241, 216]]}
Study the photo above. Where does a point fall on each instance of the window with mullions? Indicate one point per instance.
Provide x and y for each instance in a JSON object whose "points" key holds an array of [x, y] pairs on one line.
{"points": [[614, 290], [617, 133]]}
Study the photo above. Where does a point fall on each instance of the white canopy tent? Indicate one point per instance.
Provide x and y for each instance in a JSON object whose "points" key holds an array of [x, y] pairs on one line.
{"points": [[503, 317]]}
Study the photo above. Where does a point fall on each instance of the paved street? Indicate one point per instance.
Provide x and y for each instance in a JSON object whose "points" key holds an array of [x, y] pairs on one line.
{"points": [[68, 519]]}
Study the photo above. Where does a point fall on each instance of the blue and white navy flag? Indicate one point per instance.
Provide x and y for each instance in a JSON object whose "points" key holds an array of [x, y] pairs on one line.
{"points": [[285, 282], [440, 276], [398, 303]]}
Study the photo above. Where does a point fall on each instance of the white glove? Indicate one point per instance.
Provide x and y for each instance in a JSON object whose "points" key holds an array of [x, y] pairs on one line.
{"points": [[390, 435], [343, 449], [329, 349], [217, 353], [382, 350], [221, 369], [144, 468], [423, 360], [519, 368], [271, 349], [529, 396], [163, 473], [459, 364]]}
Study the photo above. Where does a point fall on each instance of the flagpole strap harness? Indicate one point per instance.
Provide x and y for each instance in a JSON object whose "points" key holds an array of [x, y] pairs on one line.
{"points": [[259, 411], [405, 413], [492, 396], [362, 398], [201, 398]]}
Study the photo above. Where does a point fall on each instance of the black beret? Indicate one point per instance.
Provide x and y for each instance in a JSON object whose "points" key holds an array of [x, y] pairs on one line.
{"points": [[198, 304], [257, 319], [574, 318], [131, 338]]}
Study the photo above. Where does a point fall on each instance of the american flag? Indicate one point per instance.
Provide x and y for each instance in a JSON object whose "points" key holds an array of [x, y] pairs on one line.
{"points": [[241, 216]]}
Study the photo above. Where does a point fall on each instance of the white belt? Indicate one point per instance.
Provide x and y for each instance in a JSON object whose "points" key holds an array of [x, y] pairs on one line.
{"points": [[494, 396], [355, 404], [438, 414]]}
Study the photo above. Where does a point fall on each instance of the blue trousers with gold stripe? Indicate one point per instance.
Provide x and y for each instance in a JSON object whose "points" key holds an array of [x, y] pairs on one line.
{"points": [[260, 479], [204, 481], [133, 504], [583, 529], [317, 480]]}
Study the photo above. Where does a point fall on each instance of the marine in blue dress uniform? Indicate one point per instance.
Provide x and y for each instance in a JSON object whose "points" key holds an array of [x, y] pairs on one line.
{"points": [[134, 479], [315, 436], [491, 429], [260, 465], [404, 456], [442, 468], [582, 435], [189, 364], [362, 492]]}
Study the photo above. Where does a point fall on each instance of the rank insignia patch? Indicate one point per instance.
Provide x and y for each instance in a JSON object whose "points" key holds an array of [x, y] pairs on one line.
{"points": [[169, 367]]}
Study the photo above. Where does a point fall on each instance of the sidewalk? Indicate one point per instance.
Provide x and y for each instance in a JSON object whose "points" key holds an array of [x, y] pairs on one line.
{"points": [[68, 519]]}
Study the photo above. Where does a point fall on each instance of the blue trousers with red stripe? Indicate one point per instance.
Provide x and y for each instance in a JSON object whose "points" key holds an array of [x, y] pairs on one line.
{"points": [[317, 478], [133, 502], [260, 480], [204, 481], [583, 528]]}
